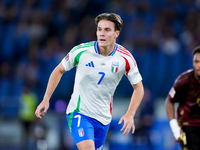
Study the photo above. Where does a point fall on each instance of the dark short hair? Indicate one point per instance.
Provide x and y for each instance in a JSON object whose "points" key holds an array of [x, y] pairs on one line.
{"points": [[196, 50], [116, 19]]}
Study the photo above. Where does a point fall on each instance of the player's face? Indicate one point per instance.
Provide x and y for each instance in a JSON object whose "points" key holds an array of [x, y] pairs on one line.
{"points": [[196, 64], [106, 34]]}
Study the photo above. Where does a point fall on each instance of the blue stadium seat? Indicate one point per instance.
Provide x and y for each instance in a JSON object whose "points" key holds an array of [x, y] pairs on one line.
{"points": [[8, 42]]}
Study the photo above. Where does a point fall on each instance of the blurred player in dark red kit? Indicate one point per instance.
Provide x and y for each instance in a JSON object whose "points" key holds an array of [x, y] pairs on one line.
{"points": [[186, 92]]}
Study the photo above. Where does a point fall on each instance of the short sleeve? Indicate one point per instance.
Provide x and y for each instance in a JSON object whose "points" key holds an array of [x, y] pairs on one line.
{"points": [[177, 92], [134, 75], [132, 71], [73, 57], [68, 62]]}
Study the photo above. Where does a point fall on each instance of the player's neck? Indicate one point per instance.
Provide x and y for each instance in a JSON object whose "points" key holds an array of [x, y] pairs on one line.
{"points": [[106, 50]]}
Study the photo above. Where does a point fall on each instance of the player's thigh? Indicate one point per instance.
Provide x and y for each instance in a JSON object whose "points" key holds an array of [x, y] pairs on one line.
{"points": [[86, 145], [81, 127], [100, 136]]}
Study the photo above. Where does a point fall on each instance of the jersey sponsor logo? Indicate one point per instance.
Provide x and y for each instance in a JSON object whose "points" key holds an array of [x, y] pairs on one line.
{"points": [[81, 132], [103, 64], [114, 66], [90, 64]]}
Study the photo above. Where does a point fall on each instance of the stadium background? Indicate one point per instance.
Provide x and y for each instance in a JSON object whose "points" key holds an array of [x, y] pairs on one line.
{"points": [[36, 34]]}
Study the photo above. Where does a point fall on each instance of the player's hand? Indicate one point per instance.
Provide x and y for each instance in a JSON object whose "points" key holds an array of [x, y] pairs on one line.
{"points": [[182, 137], [42, 109], [179, 139], [128, 124]]}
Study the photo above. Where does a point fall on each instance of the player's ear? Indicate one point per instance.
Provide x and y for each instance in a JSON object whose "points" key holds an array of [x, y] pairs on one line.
{"points": [[117, 32]]}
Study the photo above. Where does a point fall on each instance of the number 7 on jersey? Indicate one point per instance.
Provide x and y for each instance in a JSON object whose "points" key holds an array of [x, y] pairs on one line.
{"points": [[102, 76]]}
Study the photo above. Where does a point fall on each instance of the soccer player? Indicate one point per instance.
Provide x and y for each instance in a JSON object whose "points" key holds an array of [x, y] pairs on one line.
{"points": [[100, 67], [186, 92]]}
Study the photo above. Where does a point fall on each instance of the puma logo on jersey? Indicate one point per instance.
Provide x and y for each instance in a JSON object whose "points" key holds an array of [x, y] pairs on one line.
{"points": [[90, 64]]}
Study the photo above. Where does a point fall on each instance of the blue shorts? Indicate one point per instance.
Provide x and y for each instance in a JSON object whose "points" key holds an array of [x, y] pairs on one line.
{"points": [[84, 128]]}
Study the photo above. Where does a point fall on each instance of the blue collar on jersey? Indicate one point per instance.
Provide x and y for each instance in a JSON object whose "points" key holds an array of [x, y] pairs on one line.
{"points": [[97, 50]]}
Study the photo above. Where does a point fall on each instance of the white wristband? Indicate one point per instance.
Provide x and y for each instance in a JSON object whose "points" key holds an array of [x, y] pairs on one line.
{"points": [[175, 128]]}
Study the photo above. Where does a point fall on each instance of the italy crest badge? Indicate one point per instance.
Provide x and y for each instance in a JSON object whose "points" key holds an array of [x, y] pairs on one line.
{"points": [[81, 132], [114, 66]]}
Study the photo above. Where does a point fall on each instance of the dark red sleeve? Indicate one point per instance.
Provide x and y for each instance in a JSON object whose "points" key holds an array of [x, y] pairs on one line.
{"points": [[178, 91]]}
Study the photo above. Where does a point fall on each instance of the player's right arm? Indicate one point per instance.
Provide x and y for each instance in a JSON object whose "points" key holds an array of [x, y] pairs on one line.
{"points": [[54, 79], [170, 109]]}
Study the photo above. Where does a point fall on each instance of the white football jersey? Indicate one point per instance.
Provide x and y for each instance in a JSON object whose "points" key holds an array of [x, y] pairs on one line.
{"points": [[97, 77]]}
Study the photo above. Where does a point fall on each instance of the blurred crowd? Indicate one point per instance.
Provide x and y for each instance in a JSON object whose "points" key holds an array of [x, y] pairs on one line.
{"points": [[36, 34]]}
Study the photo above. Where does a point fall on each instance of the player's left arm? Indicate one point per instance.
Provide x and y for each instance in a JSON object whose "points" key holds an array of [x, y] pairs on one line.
{"points": [[128, 118]]}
